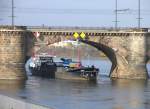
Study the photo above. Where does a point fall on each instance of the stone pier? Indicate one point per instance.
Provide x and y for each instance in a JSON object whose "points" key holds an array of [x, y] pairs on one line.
{"points": [[12, 54], [131, 63]]}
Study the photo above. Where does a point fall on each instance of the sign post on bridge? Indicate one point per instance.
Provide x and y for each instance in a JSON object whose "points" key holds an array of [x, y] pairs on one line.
{"points": [[76, 35], [82, 35]]}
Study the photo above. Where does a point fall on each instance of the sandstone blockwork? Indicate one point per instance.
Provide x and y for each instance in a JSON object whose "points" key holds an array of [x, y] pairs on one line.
{"points": [[12, 55], [127, 50]]}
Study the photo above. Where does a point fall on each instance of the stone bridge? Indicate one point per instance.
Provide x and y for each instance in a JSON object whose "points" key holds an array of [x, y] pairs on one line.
{"points": [[128, 50]]}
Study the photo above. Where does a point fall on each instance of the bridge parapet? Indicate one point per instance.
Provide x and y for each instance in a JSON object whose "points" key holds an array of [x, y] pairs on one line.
{"points": [[71, 32]]}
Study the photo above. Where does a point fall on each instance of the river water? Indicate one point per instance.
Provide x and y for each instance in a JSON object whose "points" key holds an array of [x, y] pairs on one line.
{"points": [[72, 94]]}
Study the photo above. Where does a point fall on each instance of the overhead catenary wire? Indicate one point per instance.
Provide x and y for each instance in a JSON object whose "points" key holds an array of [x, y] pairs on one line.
{"points": [[12, 13], [139, 14], [21, 10]]}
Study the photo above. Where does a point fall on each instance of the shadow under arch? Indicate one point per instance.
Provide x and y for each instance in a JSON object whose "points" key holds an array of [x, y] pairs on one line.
{"points": [[109, 52]]}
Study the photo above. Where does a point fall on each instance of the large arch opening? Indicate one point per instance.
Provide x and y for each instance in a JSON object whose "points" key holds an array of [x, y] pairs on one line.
{"points": [[106, 64]]}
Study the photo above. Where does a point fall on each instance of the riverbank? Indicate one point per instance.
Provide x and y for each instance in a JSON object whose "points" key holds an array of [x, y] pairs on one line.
{"points": [[11, 103]]}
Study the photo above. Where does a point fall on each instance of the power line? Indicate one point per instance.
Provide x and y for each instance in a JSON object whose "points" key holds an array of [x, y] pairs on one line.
{"points": [[116, 15], [74, 11], [139, 14], [12, 13]]}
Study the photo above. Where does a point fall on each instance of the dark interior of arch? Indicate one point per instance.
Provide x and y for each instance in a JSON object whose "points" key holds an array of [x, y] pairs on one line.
{"points": [[109, 52]]}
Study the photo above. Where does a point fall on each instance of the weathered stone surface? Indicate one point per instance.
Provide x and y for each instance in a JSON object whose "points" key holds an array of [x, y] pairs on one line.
{"points": [[12, 55], [128, 50]]}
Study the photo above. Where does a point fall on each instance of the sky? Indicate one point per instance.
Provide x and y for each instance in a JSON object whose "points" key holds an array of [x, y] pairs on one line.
{"points": [[82, 13]]}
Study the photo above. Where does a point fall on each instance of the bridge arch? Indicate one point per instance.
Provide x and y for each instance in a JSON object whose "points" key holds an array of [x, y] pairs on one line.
{"points": [[125, 50], [129, 59], [109, 52]]}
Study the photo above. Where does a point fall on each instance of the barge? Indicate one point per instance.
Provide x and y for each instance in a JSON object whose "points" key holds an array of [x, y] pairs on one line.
{"points": [[43, 66], [75, 70]]}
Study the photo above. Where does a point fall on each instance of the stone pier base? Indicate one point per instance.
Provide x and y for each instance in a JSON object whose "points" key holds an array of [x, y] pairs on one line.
{"points": [[12, 54], [128, 70], [130, 73]]}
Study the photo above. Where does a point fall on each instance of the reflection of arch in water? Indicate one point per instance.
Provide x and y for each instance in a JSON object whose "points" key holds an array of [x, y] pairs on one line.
{"points": [[109, 52]]}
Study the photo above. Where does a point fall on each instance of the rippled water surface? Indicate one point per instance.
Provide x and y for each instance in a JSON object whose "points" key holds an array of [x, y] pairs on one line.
{"points": [[69, 94]]}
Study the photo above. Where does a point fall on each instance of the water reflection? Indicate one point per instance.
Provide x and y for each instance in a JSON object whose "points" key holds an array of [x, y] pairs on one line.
{"points": [[11, 86], [67, 94], [70, 94], [129, 93]]}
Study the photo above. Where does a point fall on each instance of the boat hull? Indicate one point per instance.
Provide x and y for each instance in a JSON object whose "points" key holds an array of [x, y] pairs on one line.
{"points": [[73, 74], [45, 70]]}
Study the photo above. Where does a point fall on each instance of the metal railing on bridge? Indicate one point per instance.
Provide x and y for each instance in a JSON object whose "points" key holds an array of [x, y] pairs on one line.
{"points": [[48, 28], [85, 28]]}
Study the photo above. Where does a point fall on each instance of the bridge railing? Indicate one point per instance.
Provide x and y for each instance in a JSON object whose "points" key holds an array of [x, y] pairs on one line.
{"points": [[47, 28], [86, 28], [8, 27]]}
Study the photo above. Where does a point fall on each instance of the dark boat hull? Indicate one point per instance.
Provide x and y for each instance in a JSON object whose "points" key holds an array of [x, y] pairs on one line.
{"points": [[88, 73], [45, 70]]}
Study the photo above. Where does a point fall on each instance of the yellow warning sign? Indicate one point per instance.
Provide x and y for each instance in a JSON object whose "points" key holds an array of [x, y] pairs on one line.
{"points": [[82, 35], [76, 35]]}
